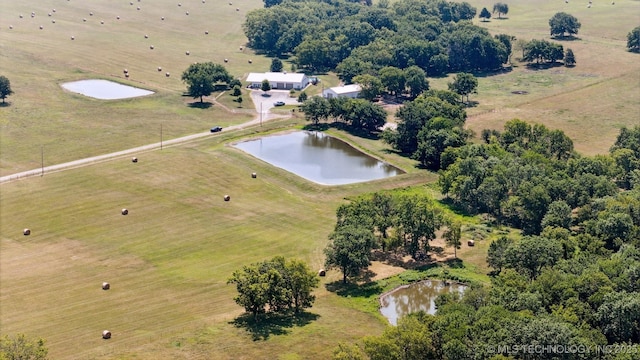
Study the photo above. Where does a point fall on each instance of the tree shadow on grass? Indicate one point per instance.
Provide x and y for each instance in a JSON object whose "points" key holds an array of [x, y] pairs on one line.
{"points": [[4, 104], [544, 65], [200, 105], [272, 324], [316, 127], [365, 290]]}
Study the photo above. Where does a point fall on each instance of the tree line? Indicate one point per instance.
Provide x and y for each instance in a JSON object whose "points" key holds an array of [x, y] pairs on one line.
{"points": [[356, 39], [571, 279]]}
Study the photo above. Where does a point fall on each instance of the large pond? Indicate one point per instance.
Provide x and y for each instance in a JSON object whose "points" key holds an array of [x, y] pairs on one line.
{"points": [[105, 89], [318, 157], [416, 297]]}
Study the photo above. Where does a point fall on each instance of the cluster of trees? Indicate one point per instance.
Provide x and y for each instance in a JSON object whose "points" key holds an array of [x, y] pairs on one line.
{"points": [[5, 87], [277, 285], [356, 39], [202, 79], [500, 8], [359, 114], [404, 221], [431, 123], [546, 51], [529, 177]]}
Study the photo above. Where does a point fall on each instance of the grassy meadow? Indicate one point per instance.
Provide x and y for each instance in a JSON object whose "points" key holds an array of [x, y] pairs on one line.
{"points": [[169, 259]]}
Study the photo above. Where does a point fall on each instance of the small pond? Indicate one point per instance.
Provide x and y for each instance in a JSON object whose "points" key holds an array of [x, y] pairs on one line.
{"points": [[105, 89], [415, 297], [318, 157]]}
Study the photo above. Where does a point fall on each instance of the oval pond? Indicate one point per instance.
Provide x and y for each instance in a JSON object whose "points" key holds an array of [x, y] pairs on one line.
{"points": [[318, 157], [416, 297], [105, 89]]}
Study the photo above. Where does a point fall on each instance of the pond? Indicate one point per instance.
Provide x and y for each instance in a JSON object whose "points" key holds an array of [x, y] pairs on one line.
{"points": [[105, 89], [318, 157], [415, 297]]}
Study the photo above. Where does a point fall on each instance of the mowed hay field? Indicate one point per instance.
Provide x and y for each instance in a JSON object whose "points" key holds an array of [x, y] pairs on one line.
{"points": [[168, 260], [589, 102], [70, 126]]}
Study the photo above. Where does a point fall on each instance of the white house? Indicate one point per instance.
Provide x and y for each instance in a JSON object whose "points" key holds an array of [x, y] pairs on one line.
{"points": [[350, 91], [279, 80]]}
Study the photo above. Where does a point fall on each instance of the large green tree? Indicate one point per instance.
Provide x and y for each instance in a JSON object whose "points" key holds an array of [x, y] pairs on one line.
{"points": [[464, 84], [532, 253], [501, 9], [276, 65], [316, 108], [562, 23], [633, 40], [349, 250], [485, 15], [416, 81], [5, 87], [371, 86], [277, 285], [201, 78]]}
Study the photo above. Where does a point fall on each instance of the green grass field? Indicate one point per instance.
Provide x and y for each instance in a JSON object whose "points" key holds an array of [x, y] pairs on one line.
{"points": [[169, 259]]}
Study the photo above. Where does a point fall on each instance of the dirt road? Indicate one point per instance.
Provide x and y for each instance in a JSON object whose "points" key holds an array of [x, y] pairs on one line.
{"points": [[262, 104]]}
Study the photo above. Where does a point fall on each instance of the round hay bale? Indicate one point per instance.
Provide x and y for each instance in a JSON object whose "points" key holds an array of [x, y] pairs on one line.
{"points": [[73, 38], [134, 159], [206, 33], [322, 272], [53, 10], [187, 52], [250, 61], [146, 36], [226, 60], [179, 4], [20, 16], [187, 13], [10, 26], [138, 8], [41, 27], [167, 74], [53, 21], [159, 68], [49, 14], [151, 47], [227, 198], [106, 286], [126, 75], [130, 2], [241, 48], [84, 19], [125, 71], [124, 212], [254, 175], [106, 334], [237, 9], [101, 22], [471, 243], [162, 18], [90, 14], [117, 17], [26, 232]]}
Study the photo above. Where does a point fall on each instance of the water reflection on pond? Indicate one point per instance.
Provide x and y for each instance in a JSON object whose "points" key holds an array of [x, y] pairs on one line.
{"points": [[414, 298], [318, 157], [104, 89]]}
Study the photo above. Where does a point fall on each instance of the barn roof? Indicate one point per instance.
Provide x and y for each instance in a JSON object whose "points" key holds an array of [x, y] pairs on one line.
{"points": [[281, 77], [346, 89]]}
